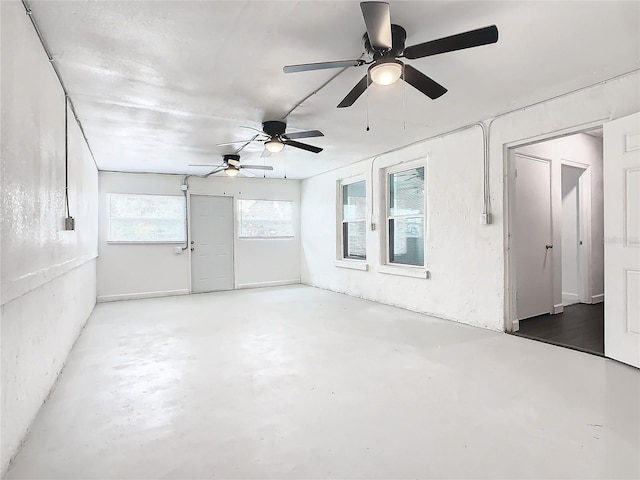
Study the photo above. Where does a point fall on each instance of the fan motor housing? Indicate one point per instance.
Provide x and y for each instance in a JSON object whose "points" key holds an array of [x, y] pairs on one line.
{"points": [[398, 38], [231, 159], [274, 127]]}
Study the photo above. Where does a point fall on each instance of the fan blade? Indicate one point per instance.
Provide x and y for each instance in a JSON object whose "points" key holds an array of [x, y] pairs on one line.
{"points": [[239, 141], [377, 18], [355, 92], [305, 67], [473, 38], [303, 146], [307, 134], [426, 85], [213, 172], [257, 167], [260, 132]]}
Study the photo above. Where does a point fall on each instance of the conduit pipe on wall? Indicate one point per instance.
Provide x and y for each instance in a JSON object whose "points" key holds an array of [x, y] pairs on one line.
{"points": [[29, 13]]}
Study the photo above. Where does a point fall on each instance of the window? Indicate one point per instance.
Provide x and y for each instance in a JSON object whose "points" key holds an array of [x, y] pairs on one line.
{"points": [[265, 218], [354, 224], [405, 215], [146, 218]]}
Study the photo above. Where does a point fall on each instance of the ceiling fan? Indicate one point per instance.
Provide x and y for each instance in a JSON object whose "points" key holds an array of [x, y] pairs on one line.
{"points": [[384, 41], [275, 139], [231, 166]]}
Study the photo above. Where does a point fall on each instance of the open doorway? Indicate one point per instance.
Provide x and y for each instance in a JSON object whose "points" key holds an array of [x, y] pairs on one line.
{"points": [[556, 233]]}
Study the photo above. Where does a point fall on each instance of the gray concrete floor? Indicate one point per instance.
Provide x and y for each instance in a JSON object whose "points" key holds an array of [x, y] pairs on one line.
{"points": [[296, 382]]}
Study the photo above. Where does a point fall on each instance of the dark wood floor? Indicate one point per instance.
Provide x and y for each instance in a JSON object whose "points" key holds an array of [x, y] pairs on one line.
{"points": [[580, 327]]}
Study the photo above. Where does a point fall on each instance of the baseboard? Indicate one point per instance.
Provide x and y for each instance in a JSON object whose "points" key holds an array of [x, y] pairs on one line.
{"points": [[275, 283], [137, 296], [597, 298], [558, 309], [570, 298]]}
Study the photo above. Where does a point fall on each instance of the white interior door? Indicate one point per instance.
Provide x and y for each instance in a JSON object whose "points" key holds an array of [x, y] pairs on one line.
{"points": [[622, 239], [572, 270], [211, 243], [532, 236]]}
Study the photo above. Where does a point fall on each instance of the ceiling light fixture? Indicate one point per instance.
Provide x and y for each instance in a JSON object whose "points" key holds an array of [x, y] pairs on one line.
{"points": [[386, 71], [274, 145], [231, 171]]}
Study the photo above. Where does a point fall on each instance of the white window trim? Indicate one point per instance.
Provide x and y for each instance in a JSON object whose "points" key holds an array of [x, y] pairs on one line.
{"points": [[142, 242], [279, 237], [388, 267], [341, 260]]}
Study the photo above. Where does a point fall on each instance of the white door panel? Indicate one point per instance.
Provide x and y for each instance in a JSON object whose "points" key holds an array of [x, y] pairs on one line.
{"points": [[532, 237], [622, 239], [211, 243]]}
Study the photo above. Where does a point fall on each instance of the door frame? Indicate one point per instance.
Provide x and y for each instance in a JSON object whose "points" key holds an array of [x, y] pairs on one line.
{"points": [[233, 240], [511, 323], [584, 219]]}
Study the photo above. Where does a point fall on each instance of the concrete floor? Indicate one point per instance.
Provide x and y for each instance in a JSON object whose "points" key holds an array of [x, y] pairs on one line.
{"points": [[296, 382]]}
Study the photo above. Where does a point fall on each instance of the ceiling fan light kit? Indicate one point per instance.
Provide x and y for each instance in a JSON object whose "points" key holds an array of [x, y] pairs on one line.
{"points": [[274, 145], [386, 71], [231, 171]]}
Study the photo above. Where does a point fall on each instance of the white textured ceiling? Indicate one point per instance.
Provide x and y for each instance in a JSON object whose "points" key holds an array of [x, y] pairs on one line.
{"points": [[158, 84]]}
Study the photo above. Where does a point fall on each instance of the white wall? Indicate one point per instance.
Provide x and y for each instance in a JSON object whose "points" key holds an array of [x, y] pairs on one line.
{"points": [[585, 149], [461, 285], [135, 271], [467, 261], [48, 274]]}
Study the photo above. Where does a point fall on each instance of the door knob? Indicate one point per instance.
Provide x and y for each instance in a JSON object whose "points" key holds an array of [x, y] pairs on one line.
{"points": [[547, 246]]}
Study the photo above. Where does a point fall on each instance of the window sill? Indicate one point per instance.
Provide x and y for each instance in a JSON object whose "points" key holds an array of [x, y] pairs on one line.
{"points": [[404, 271], [146, 242], [353, 264], [282, 237]]}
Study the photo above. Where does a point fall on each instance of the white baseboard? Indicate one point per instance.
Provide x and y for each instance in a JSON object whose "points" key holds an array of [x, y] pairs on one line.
{"points": [[569, 298], [597, 298], [558, 308], [137, 296], [276, 283]]}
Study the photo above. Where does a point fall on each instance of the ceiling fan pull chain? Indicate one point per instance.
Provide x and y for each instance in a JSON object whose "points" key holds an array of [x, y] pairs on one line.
{"points": [[404, 103], [285, 168], [367, 102]]}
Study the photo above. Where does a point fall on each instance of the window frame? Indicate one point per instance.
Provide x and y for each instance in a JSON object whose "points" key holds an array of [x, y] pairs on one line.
{"points": [[388, 266], [264, 237], [146, 242], [341, 222]]}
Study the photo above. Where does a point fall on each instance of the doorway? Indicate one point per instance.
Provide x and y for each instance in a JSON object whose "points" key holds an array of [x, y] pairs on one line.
{"points": [[211, 222], [556, 205]]}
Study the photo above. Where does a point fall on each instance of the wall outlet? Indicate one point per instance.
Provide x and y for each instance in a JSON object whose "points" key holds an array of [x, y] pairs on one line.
{"points": [[183, 187], [177, 250], [485, 219], [69, 223]]}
